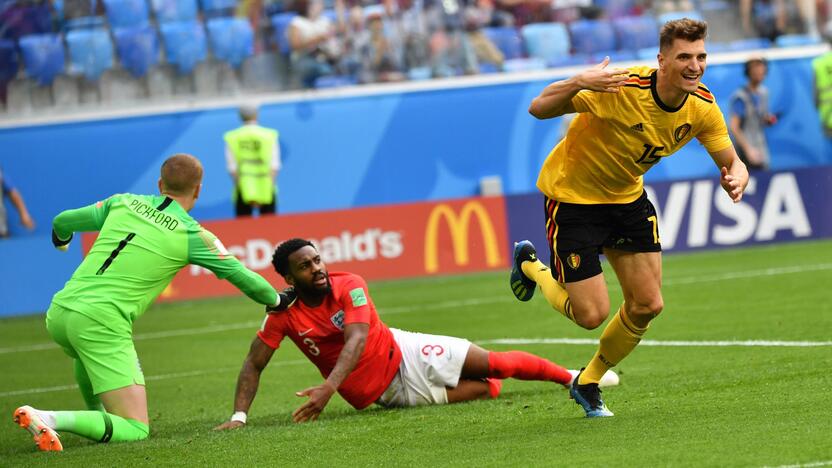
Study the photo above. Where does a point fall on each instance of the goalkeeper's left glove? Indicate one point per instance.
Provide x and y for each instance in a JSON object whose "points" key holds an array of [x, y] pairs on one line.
{"points": [[59, 244], [286, 298]]}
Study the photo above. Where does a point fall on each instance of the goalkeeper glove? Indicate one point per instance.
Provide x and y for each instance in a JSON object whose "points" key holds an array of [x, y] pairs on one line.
{"points": [[286, 298], [59, 244]]}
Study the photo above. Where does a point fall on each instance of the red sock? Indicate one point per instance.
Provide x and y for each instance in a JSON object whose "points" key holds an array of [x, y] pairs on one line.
{"points": [[494, 387], [525, 366]]}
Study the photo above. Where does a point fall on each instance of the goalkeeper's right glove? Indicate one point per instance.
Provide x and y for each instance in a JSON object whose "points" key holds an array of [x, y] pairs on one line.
{"points": [[286, 298], [59, 244]]}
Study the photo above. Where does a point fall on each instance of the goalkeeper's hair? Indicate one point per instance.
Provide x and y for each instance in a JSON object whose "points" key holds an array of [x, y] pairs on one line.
{"points": [[688, 29], [181, 174], [280, 259]]}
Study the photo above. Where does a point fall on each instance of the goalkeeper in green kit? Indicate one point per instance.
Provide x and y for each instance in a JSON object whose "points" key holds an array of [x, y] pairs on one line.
{"points": [[144, 241]]}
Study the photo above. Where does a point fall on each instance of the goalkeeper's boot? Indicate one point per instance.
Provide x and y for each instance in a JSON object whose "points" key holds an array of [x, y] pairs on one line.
{"points": [[589, 397], [44, 436], [522, 286], [610, 378]]}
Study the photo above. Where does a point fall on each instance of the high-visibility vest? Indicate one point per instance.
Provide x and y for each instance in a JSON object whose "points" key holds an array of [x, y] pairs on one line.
{"points": [[253, 148], [823, 86]]}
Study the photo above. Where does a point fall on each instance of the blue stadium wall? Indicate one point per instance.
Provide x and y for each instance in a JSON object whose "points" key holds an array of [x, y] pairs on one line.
{"points": [[339, 151]]}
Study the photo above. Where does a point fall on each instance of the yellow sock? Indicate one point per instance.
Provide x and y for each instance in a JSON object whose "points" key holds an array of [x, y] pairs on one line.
{"points": [[553, 291], [619, 338]]}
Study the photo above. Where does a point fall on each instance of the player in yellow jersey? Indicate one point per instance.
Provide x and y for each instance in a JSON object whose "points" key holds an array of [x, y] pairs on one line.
{"points": [[628, 120]]}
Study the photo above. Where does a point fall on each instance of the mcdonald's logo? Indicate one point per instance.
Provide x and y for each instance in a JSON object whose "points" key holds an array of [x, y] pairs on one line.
{"points": [[459, 227]]}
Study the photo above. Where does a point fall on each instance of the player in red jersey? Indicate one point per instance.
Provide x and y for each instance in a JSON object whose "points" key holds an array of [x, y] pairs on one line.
{"points": [[335, 324]]}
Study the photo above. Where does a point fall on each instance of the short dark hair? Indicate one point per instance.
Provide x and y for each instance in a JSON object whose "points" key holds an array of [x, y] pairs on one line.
{"points": [[685, 28], [181, 174], [280, 259], [753, 61]]}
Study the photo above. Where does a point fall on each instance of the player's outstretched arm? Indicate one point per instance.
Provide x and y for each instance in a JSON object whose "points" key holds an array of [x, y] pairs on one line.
{"points": [[86, 219], [258, 358], [733, 173], [355, 338], [556, 99]]}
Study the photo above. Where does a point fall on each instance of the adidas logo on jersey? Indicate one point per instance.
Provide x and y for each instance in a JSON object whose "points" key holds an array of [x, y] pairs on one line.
{"points": [[639, 127]]}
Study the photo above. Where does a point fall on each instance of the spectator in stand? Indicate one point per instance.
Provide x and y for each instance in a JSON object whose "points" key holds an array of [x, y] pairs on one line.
{"points": [[314, 44], [750, 116], [763, 18], [355, 38], [382, 60], [478, 47]]}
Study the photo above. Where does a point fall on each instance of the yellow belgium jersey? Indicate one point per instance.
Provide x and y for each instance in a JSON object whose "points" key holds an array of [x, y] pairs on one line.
{"points": [[617, 137]]}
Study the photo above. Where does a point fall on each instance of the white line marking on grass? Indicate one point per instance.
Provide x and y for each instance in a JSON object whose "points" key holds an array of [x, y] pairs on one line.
{"points": [[807, 465], [450, 305], [151, 378], [669, 343]]}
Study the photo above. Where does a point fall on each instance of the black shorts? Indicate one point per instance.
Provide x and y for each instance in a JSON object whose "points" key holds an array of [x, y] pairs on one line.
{"points": [[579, 233]]}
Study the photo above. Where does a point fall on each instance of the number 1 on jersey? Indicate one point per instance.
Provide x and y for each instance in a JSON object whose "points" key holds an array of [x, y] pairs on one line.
{"points": [[121, 245]]}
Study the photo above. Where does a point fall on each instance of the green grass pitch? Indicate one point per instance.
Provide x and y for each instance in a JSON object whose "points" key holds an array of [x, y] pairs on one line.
{"points": [[681, 405]]}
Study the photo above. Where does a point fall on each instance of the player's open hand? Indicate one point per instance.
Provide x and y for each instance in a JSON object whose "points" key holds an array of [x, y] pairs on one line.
{"points": [[229, 425], [733, 185], [318, 398], [599, 78]]}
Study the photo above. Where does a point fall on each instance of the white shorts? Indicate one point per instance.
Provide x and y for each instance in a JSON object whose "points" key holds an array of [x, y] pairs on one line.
{"points": [[430, 364]]}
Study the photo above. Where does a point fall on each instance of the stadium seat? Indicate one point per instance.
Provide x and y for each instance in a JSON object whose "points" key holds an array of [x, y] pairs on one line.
{"points": [[674, 15], [796, 40], [185, 44], [90, 52], [126, 13], [615, 8], [333, 81], [174, 10], [43, 57], [547, 41], [636, 32], [615, 56], [280, 23], [138, 48], [507, 40], [750, 44], [232, 39], [214, 8], [84, 22], [592, 36], [9, 62], [524, 64]]}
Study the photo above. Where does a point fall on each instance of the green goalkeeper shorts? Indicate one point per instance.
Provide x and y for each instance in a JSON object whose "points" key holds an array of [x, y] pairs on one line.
{"points": [[108, 357]]}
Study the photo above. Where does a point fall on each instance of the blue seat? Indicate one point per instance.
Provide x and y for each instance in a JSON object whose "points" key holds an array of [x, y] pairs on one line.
{"points": [[674, 15], [615, 56], [138, 48], [43, 57], [84, 22], [333, 81], [615, 8], [796, 40], [507, 39], [636, 32], [9, 61], [592, 36], [751, 44], [280, 23], [185, 44], [218, 6], [125, 13], [174, 10], [232, 39], [547, 41], [90, 52]]}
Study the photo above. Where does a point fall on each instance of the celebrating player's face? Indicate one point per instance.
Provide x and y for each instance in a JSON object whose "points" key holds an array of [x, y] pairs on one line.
{"points": [[308, 271], [684, 63]]}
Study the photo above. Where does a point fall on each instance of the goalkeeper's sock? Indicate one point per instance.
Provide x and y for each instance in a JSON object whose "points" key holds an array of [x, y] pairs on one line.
{"points": [[619, 338], [524, 366], [553, 291], [90, 399], [96, 425]]}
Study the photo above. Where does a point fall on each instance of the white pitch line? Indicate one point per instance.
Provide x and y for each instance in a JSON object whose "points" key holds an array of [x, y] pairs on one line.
{"points": [[446, 305], [175, 375], [807, 465], [669, 343]]}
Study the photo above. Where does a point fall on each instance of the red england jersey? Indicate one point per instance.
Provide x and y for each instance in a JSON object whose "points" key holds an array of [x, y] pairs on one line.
{"points": [[319, 333]]}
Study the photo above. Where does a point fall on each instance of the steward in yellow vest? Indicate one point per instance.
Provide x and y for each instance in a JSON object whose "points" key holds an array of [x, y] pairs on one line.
{"points": [[253, 159]]}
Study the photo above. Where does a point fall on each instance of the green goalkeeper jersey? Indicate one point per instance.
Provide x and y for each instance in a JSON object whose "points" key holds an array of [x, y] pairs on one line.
{"points": [[144, 240]]}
